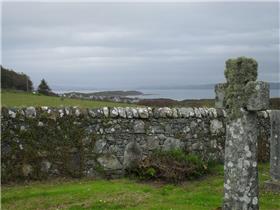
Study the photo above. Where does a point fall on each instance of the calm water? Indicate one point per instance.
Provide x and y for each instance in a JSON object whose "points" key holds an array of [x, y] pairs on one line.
{"points": [[176, 94]]}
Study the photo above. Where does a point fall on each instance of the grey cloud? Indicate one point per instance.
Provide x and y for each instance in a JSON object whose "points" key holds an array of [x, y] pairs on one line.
{"points": [[131, 45]]}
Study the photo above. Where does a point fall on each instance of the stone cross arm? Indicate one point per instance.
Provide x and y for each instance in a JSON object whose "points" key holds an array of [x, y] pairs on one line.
{"points": [[257, 95]]}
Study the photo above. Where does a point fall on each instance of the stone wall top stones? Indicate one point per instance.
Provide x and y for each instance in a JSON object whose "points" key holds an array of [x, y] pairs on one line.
{"points": [[118, 112]]}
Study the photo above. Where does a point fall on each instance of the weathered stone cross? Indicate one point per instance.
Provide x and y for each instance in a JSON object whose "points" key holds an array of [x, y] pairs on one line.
{"points": [[242, 96]]}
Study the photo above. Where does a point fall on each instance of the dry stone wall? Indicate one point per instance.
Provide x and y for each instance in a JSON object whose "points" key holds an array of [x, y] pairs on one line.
{"points": [[40, 143]]}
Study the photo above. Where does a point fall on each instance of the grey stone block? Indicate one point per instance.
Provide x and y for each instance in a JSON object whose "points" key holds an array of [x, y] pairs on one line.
{"points": [[132, 155], [109, 162], [275, 145], [258, 95], [220, 95]]}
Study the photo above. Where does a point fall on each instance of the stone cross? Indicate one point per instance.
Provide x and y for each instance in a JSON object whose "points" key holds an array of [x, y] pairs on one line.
{"points": [[274, 183], [242, 96]]}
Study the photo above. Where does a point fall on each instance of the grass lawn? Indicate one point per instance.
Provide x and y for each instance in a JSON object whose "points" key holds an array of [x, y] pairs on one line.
{"points": [[128, 194], [21, 99]]}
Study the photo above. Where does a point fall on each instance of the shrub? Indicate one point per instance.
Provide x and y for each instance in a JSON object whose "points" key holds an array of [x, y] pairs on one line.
{"points": [[172, 166], [44, 89]]}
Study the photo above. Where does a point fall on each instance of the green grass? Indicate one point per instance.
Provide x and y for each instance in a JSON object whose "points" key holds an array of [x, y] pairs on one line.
{"points": [[128, 194], [21, 99]]}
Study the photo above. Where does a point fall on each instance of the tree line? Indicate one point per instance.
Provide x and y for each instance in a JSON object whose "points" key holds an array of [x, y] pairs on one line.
{"points": [[20, 81]]}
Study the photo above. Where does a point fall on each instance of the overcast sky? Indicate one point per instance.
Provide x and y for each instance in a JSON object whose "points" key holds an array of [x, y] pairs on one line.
{"points": [[122, 45]]}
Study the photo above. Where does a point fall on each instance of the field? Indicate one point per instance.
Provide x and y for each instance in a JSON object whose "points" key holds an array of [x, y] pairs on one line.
{"points": [[204, 194], [21, 99]]}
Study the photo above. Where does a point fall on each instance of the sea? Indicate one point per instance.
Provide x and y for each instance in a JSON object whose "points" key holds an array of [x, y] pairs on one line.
{"points": [[175, 94]]}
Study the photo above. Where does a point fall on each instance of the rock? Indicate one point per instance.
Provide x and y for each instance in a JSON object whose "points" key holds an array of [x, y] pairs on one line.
{"points": [[195, 146], [172, 143], [213, 143], [73, 163], [150, 112], [186, 112], [166, 112], [67, 111], [193, 124], [258, 92], [77, 112], [40, 124], [216, 126], [197, 112], [115, 149], [132, 155], [12, 114], [42, 153], [139, 126], [135, 112], [30, 112], [93, 112], [202, 112], [182, 112], [109, 162], [106, 111], [152, 143], [224, 113], [129, 112], [99, 146], [186, 129], [213, 112], [163, 112], [27, 169], [174, 113], [156, 113], [44, 108], [122, 112], [61, 112], [114, 112], [143, 113], [45, 166], [161, 136]]}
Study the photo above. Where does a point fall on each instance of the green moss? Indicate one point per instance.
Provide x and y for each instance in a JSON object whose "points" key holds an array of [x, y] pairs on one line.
{"points": [[241, 70], [58, 140], [179, 135]]}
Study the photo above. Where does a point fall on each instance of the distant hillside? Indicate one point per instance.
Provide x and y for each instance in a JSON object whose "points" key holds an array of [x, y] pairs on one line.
{"points": [[13, 80], [109, 93], [273, 85], [161, 102]]}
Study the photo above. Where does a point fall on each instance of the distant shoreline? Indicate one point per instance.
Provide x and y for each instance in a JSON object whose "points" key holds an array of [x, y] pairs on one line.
{"points": [[174, 94], [113, 93]]}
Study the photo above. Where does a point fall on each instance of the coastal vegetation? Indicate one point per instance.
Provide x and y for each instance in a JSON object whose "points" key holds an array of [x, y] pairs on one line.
{"points": [[13, 80], [23, 99]]}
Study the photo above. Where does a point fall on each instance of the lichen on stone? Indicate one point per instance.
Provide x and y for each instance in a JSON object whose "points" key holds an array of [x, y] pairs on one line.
{"points": [[238, 73]]}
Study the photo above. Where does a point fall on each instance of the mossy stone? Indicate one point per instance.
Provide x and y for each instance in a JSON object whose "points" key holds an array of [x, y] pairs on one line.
{"points": [[238, 73], [241, 70]]}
